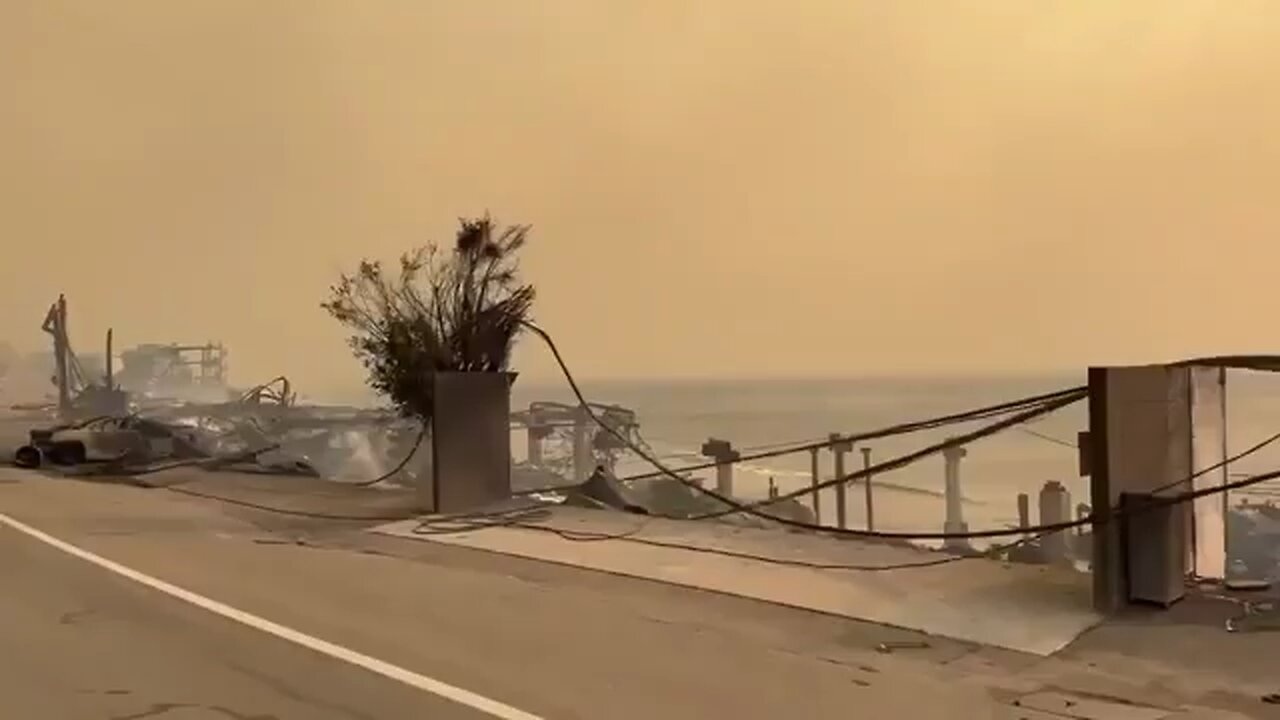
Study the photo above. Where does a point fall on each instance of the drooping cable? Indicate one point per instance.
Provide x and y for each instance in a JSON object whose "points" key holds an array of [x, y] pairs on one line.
{"points": [[1045, 404], [1059, 399], [890, 431], [526, 519]]}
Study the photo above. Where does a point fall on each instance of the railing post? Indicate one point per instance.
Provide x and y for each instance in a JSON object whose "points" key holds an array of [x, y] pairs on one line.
{"points": [[839, 446], [866, 486], [814, 480]]}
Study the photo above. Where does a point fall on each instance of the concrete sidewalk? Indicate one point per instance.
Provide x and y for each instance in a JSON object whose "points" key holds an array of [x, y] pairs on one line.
{"points": [[1033, 609]]}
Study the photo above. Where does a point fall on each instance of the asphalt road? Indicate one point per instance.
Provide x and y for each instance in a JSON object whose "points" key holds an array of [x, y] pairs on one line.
{"points": [[82, 642], [558, 643]]}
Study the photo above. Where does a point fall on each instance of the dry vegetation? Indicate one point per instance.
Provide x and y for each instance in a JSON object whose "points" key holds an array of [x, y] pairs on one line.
{"points": [[458, 309]]}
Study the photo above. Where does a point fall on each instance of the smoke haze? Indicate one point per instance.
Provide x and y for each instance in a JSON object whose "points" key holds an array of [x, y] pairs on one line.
{"points": [[740, 187]]}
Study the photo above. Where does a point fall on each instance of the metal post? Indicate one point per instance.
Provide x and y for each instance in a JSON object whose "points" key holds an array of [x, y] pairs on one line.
{"points": [[535, 434], [535, 430], [56, 324], [533, 446], [110, 378], [583, 463], [814, 480], [842, 521], [866, 486], [1024, 511]]}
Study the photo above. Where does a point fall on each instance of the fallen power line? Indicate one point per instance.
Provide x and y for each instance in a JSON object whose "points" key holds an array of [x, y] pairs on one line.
{"points": [[1035, 407]]}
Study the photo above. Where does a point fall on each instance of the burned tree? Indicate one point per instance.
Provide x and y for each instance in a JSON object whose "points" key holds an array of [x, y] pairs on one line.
{"points": [[454, 310]]}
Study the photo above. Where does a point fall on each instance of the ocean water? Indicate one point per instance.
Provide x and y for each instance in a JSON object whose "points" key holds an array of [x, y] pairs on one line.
{"points": [[676, 417]]}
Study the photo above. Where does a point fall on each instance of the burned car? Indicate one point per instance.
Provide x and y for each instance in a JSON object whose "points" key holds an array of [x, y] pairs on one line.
{"points": [[128, 438]]}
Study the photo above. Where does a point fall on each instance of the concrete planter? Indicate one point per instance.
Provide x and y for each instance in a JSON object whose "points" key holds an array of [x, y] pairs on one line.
{"points": [[470, 442]]}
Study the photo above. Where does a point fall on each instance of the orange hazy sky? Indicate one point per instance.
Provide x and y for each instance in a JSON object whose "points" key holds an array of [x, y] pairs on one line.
{"points": [[739, 187]]}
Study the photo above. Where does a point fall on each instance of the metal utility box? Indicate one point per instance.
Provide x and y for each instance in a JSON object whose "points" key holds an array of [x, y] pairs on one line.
{"points": [[1155, 548]]}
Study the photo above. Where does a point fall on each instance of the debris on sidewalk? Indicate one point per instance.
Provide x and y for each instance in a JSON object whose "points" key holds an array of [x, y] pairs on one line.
{"points": [[1075, 707], [888, 647]]}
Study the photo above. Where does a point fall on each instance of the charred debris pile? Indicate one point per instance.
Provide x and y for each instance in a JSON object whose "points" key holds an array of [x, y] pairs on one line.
{"points": [[169, 406], [246, 435]]}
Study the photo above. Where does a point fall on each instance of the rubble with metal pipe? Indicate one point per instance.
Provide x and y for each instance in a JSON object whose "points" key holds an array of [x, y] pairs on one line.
{"points": [[96, 424], [300, 441]]}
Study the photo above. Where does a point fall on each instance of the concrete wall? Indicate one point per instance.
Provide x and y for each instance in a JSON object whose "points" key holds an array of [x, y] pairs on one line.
{"points": [[1140, 431], [1209, 448], [470, 441]]}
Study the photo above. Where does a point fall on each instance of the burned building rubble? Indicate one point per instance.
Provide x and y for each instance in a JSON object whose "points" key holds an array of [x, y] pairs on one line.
{"points": [[157, 406], [170, 403]]}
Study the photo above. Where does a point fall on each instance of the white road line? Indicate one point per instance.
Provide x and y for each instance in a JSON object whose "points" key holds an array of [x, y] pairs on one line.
{"points": [[394, 672]]}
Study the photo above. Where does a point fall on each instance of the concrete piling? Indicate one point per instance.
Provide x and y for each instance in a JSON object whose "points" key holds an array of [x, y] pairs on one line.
{"points": [[722, 452], [954, 523], [1055, 507], [839, 446]]}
